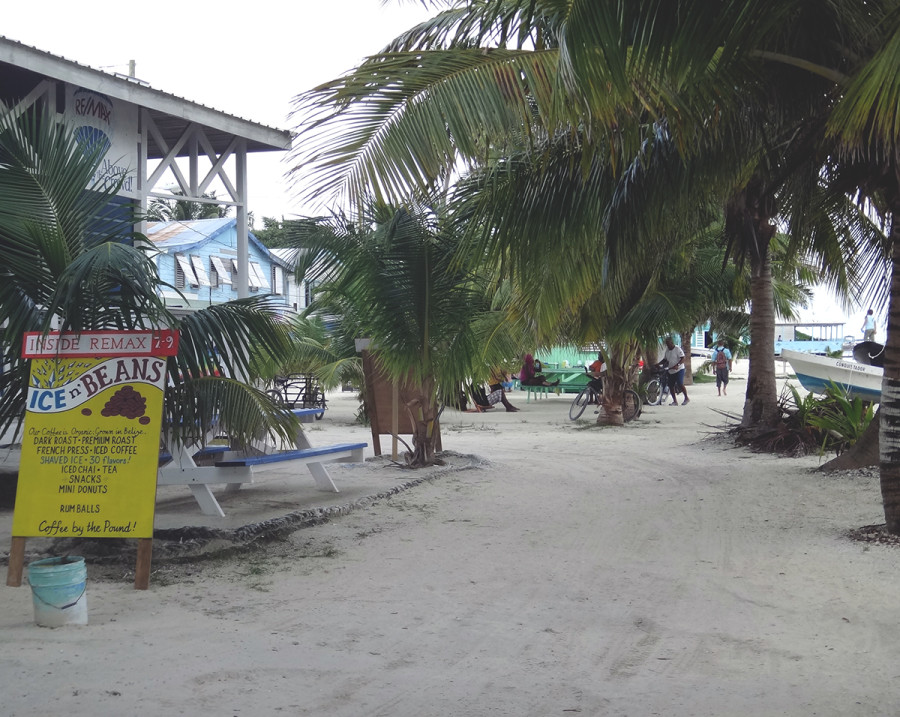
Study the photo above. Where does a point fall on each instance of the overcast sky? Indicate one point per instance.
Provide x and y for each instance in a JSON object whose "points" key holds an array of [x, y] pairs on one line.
{"points": [[244, 58]]}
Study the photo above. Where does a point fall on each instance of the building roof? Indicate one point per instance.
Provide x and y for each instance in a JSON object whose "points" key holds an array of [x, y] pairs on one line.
{"points": [[177, 236], [23, 67], [287, 257]]}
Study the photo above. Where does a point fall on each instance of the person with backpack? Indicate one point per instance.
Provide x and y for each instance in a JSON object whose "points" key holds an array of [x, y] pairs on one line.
{"points": [[721, 357]]}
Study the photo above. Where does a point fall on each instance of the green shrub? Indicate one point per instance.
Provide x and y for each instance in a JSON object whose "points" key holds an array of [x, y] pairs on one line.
{"points": [[832, 422]]}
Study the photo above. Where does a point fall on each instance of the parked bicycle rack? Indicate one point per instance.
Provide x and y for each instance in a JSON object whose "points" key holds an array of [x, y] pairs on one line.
{"points": [[298, 391]]}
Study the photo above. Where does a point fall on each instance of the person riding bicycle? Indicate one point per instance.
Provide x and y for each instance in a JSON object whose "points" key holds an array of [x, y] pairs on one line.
{"points": [[597, 370]]}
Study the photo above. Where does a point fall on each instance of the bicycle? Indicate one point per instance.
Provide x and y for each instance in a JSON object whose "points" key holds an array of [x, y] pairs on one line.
{"points": [[657, 388], [298, 391], [589, 396]]}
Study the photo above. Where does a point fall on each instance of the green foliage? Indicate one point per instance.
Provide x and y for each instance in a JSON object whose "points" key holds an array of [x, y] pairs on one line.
{"points": [[811, 423], [277, 233], [328, 352], [842, 420], [603, 132], [398, 284], [183, 210]]}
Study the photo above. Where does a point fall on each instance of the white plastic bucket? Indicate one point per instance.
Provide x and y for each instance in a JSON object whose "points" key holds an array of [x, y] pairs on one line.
{"points": [[58, 591]]}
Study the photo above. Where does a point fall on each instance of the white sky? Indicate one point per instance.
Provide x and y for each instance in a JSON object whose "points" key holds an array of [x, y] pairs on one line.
{"points": [[247, 59]]}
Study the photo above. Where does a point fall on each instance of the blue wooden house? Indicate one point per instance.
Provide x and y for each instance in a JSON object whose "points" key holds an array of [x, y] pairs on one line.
{"points": [[199, 258]]}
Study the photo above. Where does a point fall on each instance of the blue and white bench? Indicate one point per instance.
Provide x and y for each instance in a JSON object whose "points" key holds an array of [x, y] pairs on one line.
{"points": [[234, 468]]}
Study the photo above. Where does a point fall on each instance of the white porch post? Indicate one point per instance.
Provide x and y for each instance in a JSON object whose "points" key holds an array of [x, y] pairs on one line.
{"points": [[141, 178], [243, 242]]}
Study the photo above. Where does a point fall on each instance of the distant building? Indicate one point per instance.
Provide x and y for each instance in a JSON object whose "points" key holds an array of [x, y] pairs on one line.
{"points": [[199, 258], [159, 145]]}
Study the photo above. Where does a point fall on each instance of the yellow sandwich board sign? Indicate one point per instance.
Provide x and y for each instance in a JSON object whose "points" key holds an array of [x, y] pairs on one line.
{"points": [[90, 447]]}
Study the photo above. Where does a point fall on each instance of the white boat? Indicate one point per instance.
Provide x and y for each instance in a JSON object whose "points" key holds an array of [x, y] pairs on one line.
{"points": [[815, 373]]}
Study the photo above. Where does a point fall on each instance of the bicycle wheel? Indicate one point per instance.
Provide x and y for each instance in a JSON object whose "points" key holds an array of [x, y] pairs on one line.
{"points": [[581, 401], [631, 405], [276, 396], [664, 393], [654, 392]]}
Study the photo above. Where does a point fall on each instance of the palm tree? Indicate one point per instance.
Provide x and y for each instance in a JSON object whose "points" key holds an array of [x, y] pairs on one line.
{"points": [[790, 93], [487, 76], [327, 351], [392, 275], [183, 210], [69, 265]]}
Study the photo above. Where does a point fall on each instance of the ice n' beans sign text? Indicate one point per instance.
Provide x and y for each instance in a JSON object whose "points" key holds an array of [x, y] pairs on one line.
{"points": [[91, 436]]}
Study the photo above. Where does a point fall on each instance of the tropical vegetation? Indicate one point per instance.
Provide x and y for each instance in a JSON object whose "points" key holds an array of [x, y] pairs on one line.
{"points": [[185, 210], [620, 121], [72, 262], [816, 424], [435, 326]]}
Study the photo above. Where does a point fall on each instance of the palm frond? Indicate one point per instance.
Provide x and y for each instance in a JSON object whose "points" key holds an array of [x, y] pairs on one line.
{"points": [[210, 405]]}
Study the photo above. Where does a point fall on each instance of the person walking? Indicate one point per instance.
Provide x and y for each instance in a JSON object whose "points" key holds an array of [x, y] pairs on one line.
{"points": [[868, 328], [673, 359], [722, 361]]}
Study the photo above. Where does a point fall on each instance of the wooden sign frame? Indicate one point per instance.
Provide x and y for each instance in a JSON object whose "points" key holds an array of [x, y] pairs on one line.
{"points": [[382, 397], [112, 364]]}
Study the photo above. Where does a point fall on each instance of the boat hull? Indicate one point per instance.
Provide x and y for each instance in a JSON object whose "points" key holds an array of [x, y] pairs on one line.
{"points": [[816, 373]]}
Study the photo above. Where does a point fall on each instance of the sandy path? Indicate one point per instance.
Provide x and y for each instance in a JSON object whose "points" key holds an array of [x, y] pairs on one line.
{"points": [[633, 572]]}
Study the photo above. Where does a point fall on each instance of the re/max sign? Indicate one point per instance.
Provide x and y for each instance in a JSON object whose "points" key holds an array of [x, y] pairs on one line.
{"points": [[100, 343]]}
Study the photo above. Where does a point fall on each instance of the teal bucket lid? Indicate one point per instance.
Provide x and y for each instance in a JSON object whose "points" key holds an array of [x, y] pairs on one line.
{"points": [[66, 561], [57, 572]]}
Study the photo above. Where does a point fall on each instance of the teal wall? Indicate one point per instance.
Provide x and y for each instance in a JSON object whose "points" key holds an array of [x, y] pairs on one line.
{"points": [[558, 354]]}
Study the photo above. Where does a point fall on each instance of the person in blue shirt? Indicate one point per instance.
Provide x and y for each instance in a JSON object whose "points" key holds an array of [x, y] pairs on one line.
{"points": [[721, 358]]}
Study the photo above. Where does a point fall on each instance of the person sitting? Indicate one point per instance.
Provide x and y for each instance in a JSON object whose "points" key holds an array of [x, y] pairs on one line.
{"points": [[529, 376], [480, 398], [485, 401], [497, 389]]}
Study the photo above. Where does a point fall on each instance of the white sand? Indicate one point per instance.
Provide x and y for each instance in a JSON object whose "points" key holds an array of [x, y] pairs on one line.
{"points": [[636, 571]]}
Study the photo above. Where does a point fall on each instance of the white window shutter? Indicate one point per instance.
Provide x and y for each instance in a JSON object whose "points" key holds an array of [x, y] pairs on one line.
{"points": [[199, 270], [219, 266], [187, 269], [257, 277]]}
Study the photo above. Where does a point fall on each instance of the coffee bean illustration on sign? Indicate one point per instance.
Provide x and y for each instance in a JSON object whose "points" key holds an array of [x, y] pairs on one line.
{"points": [[125, 402]]}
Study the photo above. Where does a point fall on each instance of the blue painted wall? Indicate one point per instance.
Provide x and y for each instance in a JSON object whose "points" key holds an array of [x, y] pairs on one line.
{"points": [[204, 239]]}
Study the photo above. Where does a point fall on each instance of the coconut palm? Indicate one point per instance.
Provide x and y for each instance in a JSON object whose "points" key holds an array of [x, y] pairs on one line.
{"points": [[792, 93], [69, 264], [327, 351], [486, 81], [184, 210], [432, 322]]}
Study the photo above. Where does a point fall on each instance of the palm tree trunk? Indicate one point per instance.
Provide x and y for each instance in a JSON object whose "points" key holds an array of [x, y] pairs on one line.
{"points": [[422, 410], [761, 400], [619, 361], [889, 426], [686, 347]]}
